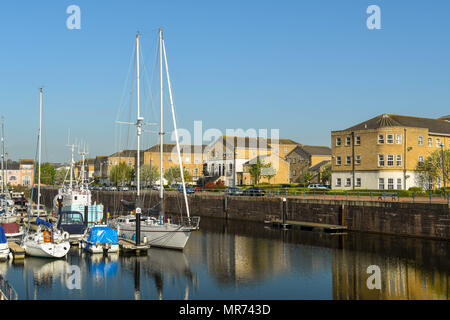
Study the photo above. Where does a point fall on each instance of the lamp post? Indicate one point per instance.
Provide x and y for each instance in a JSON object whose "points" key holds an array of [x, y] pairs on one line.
{"points": [[443, 169]]}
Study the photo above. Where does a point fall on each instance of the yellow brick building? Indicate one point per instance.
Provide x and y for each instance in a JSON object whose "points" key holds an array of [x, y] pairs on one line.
{"points": [[191, 157], [303, 158], [278, 173], [383, 152]]}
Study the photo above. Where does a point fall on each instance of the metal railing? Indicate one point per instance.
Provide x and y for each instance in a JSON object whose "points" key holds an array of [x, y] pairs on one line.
{"points": [[6, 291]]}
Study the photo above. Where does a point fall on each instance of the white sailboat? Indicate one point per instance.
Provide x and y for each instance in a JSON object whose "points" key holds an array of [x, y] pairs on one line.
{"points": [[158, 232], [47, 241]]}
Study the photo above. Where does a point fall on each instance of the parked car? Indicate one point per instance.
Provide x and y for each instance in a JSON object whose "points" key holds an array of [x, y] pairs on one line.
{"points": [[285, 186], [254, 191], [189, 190], [234, 191], [112, 188], [157, 187], [198, 188], [124, 189], [317, 186]]}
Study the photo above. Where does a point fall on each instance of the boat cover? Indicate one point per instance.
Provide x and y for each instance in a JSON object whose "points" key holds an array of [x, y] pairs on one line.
{"points": [[2, 235], [43, 222], [103, 234]]}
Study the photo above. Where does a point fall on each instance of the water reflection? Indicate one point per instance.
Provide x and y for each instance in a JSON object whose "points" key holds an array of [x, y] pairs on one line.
{"points": [[242, 260]]}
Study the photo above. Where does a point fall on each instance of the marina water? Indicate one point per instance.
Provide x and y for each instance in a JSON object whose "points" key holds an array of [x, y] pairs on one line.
{"points": [[245, 260]]}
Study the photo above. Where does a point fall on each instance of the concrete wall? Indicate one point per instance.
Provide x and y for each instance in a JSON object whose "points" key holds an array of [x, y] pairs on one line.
{"points": [[409, 219]]}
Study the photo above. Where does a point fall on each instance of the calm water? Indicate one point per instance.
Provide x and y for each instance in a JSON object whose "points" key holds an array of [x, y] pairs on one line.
{"points": [[238, 260]]}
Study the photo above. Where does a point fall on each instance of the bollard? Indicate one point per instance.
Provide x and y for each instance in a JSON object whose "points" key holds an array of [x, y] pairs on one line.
{"points": [[284, 212], [430, 196], [86, 215], [414, 197], [295, 193], [398, 196], [371, 196]]}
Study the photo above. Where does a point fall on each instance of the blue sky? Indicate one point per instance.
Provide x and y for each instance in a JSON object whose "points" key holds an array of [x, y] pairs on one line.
{"points": [[303, 67]]}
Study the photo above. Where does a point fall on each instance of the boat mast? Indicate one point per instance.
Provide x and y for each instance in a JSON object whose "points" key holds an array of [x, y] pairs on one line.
{"points": [[161, 131], [39, 151], [175, 129], [139, 119], [3, 156]]}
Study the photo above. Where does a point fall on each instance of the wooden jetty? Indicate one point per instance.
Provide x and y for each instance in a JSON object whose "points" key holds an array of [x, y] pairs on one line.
{"points": [[129, 247], [303, 225], [17, 251]]}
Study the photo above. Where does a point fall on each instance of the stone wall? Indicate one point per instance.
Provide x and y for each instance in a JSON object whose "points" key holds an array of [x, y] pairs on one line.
{"points": [[400, 218]]}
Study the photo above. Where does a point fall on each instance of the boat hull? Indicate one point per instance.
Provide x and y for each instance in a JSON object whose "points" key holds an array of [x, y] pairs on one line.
{"points": [[162, 236], [47, 249], [4, 251]]}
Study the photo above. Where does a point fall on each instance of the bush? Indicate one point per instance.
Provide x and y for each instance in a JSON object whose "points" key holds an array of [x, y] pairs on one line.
{"points": [[415, 189]]}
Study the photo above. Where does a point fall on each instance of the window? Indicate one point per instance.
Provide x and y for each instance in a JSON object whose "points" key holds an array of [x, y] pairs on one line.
{"points": [[285, 150], [381, 183], [381, 160], [130, 162], [399, 160], [348, 160], [390, 139], [398, 138], [357, 140], [196, 160], [420, 161], [347, 141], [390, 160], [420, 140], [338, 160], [295, 172], [380, 139], [338, 141], [399, 183], [357, 159], [438, 142], [196, 170], [338, 182], [358, 182], [430, 142], [348, 182], [187, 159], [390, 183]]}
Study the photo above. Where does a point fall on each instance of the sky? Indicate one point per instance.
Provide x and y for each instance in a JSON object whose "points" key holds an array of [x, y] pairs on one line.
{"points": [[304, 67]]}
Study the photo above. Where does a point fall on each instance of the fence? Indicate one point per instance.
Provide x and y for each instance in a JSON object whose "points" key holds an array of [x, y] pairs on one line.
{"points": [[6, 291]]}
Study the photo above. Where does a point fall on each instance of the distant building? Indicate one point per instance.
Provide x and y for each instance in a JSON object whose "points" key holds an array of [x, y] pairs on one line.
{"points": [[304, 158], [384, 152], [19, 173], [277, 173]]}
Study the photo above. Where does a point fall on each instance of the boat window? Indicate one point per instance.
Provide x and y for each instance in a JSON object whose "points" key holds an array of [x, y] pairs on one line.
{"points": [[71, 218]]}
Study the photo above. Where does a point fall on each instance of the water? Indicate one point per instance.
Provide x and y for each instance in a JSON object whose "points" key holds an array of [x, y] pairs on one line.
{"points": [[243, 260]]}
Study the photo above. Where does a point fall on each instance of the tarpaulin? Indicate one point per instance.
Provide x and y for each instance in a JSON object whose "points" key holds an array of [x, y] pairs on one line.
{"points": [[103, 234], [2, 235], [43, 222]]}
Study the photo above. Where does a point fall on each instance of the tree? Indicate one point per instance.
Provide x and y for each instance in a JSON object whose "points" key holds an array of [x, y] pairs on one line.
{"points": [[268, 172], [60, 175], [325, 174], [120, 174], [256, 168], [306, 177], [173, 175], [431, 169], [47, 174], [149, 174]]}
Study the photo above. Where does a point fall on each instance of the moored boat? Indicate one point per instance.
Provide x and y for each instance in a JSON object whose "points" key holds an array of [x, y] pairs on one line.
{"points": [[100, 239], [4, 248]]}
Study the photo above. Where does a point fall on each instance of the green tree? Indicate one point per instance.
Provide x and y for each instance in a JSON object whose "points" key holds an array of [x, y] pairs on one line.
{"points": [[60, 175], [325, 174], [431, 169], [267, 171], [256, 170], [149, 174], [173, 175], [47, 174], [120, 174]]}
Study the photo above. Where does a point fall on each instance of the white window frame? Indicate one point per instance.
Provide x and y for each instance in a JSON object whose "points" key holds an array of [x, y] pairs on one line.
{"points": [[348, 141], [348, 160], [381, 160], [390, 159], [420, 141], [390, 183], [421, 161], [381, 183], [357, 140], [398, 160], [358, 159], [398, 138], [390, 138], [399, 184], [338, 141], [430, 141], [438, 142], [358, 182], [348, 182], [338, 182], [381, 141], [338, 160]]}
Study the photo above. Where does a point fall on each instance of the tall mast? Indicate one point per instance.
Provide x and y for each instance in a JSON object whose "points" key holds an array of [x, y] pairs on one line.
{"points": [[139, 119], [39, 150], [3, 156], [161, 131], [175, 129]]}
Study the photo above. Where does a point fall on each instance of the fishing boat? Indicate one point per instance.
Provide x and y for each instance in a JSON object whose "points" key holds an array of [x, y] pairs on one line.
{"points": [[157, 231], [4, 248], [46, 241], [74, 196], [100, 239]]}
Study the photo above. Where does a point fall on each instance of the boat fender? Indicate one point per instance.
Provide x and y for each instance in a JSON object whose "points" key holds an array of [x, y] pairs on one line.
{"points": [[65, 235]]}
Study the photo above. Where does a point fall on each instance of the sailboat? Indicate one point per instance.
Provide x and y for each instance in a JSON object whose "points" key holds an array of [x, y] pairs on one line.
{"points": [[47, 241], [8, 214], [157, 231]]}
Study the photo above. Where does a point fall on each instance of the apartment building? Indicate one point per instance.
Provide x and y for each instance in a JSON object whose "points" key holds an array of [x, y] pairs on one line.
{"points": [[384, 152], [19, 173], [304, 158]]}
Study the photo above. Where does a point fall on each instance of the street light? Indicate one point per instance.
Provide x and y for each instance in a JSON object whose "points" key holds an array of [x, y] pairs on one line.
{"points": [[443, 169]]}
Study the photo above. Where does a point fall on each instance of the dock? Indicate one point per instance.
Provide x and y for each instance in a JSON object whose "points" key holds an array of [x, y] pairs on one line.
{"points": [[17, 251], [129, 247], [311, 226]]}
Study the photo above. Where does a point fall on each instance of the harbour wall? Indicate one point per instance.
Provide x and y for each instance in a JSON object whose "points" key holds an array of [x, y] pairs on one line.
{"points": [[399, 218]]}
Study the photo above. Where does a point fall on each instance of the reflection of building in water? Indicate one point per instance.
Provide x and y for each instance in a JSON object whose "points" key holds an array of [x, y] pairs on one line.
{"points": [[400, 279]]}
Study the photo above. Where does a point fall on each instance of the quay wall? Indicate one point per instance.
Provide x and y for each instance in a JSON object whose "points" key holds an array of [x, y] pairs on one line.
{"points": [[399, 218]]}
